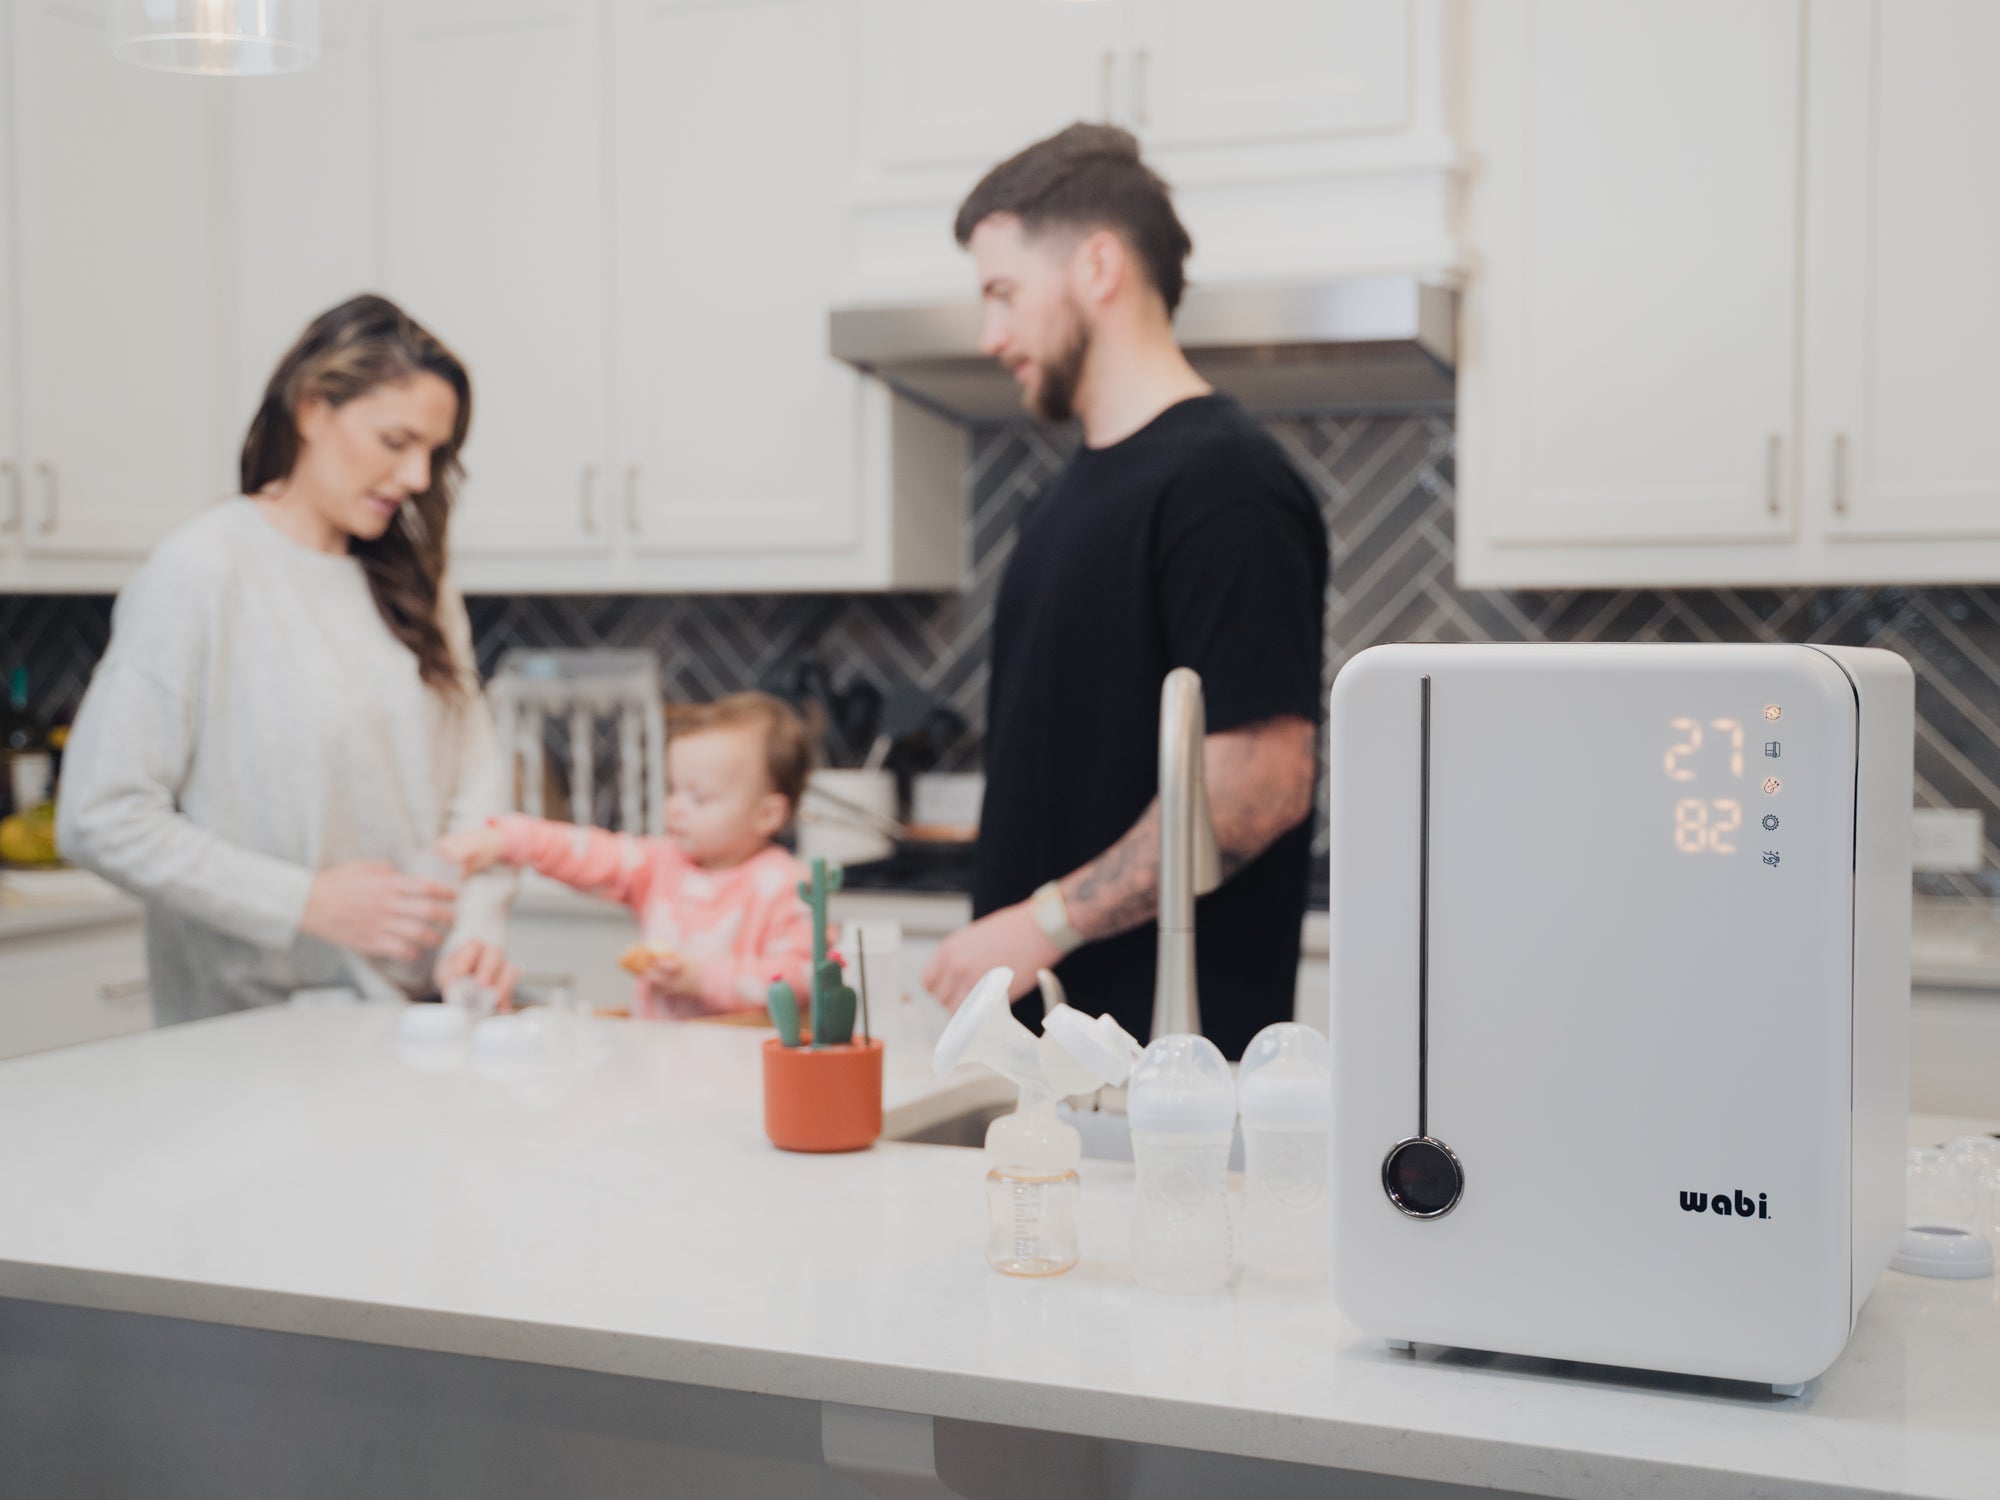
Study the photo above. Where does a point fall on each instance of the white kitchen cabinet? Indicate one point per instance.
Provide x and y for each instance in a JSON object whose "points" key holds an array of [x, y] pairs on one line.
{"points": [[1730, 319], [1219, 73], [621, 214], [748, 455], [70, 986], [964, 85], [304, 229], [571, 942], [725, 205], [117, 234], [1300, 137], [493, 237], [1635, 256], [1903, 307]]}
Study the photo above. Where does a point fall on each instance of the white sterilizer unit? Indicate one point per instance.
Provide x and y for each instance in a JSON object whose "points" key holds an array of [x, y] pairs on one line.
{"points": [[1620, 962]]}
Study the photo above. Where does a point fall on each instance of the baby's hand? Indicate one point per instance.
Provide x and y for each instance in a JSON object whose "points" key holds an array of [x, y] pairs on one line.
{"points": [[472, 849], [672, 977]]}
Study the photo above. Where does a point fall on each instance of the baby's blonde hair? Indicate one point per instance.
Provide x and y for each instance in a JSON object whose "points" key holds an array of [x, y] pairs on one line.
{"points": [[787, 749]]}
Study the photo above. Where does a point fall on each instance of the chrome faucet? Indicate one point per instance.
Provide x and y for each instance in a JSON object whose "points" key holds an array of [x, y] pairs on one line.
{"points": [[1190, 861]]}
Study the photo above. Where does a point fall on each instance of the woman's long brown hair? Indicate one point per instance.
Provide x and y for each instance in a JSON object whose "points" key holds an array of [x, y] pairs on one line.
{"points": [[347, 351]]}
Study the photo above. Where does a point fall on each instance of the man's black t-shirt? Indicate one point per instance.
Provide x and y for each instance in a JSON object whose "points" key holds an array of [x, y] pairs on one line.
{"points": [[1191, 543]]}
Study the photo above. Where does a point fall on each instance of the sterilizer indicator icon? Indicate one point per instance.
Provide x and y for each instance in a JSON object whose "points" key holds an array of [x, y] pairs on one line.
{"points": [[1771, 857]]}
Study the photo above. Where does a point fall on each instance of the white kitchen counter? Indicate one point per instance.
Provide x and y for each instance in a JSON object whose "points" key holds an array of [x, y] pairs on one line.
{"points": [[1953, 944], [291, 1170], [77, 905]]}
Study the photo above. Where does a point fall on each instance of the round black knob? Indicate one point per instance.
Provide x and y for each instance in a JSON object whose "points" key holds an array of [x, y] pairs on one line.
{"points": [[1422, 1177]]}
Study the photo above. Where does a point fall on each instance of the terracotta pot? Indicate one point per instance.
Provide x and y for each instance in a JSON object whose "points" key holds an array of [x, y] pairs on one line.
{"points": [[824, 1100]]}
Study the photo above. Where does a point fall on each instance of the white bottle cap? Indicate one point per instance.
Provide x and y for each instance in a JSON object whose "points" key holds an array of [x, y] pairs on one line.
{"points": [[433, 1023], [1107, 1049], [1283, 1083], [1949, 1251], [1182, 1087]]}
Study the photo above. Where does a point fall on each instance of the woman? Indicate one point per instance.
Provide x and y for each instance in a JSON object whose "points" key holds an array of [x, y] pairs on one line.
{"points": [[288, 705]]}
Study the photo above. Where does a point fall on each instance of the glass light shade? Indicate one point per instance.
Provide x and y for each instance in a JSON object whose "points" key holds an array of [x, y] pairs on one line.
{"points": [[232, 37]]}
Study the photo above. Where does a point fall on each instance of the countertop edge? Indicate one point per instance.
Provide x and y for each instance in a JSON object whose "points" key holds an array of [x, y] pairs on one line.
{"points": [[1323, 1442], [32, 919]]}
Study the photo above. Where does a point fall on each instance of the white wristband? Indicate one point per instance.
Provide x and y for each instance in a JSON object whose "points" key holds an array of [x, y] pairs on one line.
{"points": [[1052, 916]]}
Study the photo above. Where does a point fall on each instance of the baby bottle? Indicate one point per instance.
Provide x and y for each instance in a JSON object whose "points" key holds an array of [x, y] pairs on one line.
{"points": [[1282, 1089], [1182, 1105]]}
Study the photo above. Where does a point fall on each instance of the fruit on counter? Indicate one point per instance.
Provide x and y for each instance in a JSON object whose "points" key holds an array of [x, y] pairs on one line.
{"points": [[640, 957], [29, 838]]}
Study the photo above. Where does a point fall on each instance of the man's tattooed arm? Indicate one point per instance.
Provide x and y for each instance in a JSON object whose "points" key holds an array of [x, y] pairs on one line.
{"points": [[1260, 786]]}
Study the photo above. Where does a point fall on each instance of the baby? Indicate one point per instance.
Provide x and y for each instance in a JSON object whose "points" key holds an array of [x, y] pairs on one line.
{"points": [[717, 901]]}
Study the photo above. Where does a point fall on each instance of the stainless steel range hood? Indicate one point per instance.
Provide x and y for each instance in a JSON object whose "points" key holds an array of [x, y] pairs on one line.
{"points": [[1354, 341]]}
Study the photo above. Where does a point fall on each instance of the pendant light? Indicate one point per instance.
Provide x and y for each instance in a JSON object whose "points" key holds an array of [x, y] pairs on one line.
{"points": [[229, 37]]}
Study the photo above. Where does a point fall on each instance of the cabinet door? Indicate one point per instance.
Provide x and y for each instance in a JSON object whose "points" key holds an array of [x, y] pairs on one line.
{"points": [[307, 188], [120, 288], [70, 987], [1238, 72], [574, 951], [1637, 312], [737, 428], [967, 84], [1904, 309], [493, 237]]}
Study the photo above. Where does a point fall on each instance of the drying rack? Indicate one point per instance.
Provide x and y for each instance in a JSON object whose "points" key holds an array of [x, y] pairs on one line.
{"points": [[574, 690]]}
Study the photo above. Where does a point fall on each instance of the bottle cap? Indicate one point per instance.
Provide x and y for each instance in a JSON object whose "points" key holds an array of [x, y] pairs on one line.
{"points": [[1182, 1086], [1283, 1083], [1950, 1251], [1099, 1043]]}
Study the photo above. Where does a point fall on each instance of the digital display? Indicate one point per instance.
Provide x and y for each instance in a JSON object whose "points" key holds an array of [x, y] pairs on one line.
{"points": [[1707, 759]]}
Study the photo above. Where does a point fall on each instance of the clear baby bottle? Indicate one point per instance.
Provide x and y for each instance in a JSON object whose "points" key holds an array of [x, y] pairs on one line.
{"points": [[1282, 1090], [1182, 1105], [1032, 1185]]}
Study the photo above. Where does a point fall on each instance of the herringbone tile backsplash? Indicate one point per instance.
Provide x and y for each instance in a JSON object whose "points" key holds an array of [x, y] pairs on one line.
{"points": [[1386, 484]]}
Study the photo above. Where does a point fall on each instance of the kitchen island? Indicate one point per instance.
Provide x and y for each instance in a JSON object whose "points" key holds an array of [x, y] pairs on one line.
{"points": [[285, 1253]]}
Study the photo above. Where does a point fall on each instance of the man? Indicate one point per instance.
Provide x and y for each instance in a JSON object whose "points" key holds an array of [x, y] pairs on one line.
{"points": [[1177, 536]]}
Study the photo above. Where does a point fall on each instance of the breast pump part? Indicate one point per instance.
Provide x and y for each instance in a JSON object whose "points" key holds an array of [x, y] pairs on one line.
{"points": [[1075, 1054]]}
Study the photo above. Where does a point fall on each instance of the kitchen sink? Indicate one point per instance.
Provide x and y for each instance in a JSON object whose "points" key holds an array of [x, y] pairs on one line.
{"points": [[1106, 1130]]}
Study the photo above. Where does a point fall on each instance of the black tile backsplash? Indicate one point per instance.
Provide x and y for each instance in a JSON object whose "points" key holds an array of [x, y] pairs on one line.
{"points": [[1386, 484]]}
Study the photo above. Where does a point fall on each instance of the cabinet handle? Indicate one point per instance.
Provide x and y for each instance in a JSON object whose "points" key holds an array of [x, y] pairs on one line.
{"points": [[589, 500], [47, 473], [14, 517], [124, 991], [1105, 84], [1142, 88], [1840, 473], [632, 499], [1773, 461]]}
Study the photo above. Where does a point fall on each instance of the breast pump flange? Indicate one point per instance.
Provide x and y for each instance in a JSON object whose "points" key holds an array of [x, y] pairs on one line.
{"points": [[1032, 1154]]}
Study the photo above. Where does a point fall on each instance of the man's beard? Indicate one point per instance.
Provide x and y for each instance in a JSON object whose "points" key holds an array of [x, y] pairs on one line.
{"points": [[1054, 399]]}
